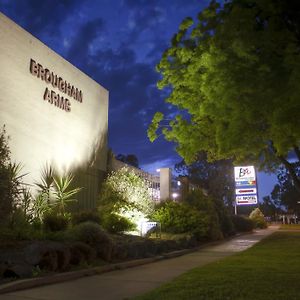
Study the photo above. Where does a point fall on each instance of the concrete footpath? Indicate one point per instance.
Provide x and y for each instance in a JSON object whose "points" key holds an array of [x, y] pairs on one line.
{"points": [[131, 282]]}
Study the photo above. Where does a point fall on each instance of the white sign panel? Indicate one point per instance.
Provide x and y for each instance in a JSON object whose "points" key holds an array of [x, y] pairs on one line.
{"points": [[245, 185], [244, 173], [246, 191], [246, 200]]}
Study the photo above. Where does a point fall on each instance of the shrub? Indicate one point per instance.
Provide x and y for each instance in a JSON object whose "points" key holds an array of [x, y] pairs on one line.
{"points": [[85, 216], [19, 225], [53, 222], [258, 218], [19, 219], [116, 224], [242, 224], [11, 185], [6, 203], [213, 210], [225, 221], [48, 255], [93, 235], [81, 253], [89, 233], [180, 218], [20, 233], [126, 193], [6, 186], [227, 226]]}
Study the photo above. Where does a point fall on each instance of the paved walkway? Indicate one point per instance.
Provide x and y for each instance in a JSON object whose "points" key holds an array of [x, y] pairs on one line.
{"points": [[131, 282]]}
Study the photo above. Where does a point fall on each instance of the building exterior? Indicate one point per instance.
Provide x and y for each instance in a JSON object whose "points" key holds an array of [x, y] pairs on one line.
{"points": [[57, 116], [53, 112]]}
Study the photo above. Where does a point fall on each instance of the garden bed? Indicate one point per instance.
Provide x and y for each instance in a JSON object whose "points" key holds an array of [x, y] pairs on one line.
{"points": [[27, 259]]}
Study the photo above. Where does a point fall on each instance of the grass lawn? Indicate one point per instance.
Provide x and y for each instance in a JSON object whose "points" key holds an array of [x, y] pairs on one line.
{"points": [[290, 227], [268, 271]]}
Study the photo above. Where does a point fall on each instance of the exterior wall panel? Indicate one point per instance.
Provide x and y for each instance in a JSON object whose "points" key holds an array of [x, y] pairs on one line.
{"points": [[40, 131]]}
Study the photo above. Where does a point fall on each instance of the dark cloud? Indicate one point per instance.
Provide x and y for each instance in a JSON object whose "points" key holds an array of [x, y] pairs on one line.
{"points": [[79, 49], [118, 45], [125, 78], [115, 60], [41, 16], [144, 20], [133, 92]]}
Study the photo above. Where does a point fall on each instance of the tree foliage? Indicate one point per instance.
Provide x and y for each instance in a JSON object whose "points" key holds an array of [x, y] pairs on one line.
{"points": [[285, 193], [242, 224], [214, 177], [258, 218], [198, 214], [270, 207], [214, 208], [125, 193], [177, 217], [233, 75]]}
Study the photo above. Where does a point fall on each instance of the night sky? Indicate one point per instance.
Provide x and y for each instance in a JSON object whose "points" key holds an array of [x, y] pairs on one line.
{"points": [[118, 43]]}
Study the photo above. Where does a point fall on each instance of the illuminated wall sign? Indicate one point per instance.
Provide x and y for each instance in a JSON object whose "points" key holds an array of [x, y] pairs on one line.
{"points": [[57, 82], [245, 185]]}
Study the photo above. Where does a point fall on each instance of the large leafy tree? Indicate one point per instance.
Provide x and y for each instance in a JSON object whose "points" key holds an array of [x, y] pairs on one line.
{"points": [[234, 77], [215, 177]]}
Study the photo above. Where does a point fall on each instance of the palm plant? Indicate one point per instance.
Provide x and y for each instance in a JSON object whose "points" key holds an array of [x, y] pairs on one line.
{"points": [[26, 202], [16, 178], [63, 193], [40, 206], [17, 185], [46, 182]]}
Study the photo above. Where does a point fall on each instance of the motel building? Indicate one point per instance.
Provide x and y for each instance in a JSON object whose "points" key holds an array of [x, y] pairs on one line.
{"points": [[56, 115]]}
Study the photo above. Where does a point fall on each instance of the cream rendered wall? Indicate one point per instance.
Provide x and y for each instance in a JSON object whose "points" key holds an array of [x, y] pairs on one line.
{"points": [[165, 183], [40, 132]]}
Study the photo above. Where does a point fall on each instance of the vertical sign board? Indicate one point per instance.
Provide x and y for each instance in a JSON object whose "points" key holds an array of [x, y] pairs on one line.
{"points": [[245, 185]]}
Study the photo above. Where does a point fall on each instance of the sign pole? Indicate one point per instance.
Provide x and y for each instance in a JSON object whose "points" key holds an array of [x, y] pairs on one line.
{"points": [[256, 182]]}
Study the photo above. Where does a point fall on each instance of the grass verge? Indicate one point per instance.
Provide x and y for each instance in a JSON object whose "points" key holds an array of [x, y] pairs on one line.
{"points": [[269, 270], [290, 227]]}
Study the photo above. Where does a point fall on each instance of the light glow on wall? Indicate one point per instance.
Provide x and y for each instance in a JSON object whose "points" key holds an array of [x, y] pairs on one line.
{"points": [[41, 133]]}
